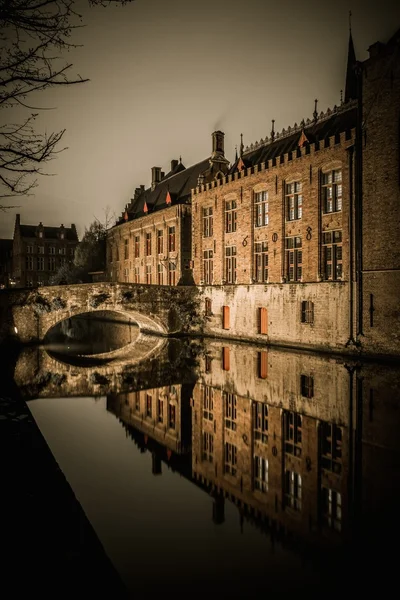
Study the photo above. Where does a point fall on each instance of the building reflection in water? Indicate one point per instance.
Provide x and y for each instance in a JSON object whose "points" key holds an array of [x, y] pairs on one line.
{"points": [[304, 445]]}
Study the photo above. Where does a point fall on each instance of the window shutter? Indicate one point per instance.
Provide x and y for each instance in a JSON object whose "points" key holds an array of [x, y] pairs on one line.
{"points": [[263, 320], [263, 365], [226, 316], [226, 359]]}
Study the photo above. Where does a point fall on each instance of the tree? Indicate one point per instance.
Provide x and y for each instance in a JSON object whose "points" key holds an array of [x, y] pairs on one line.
{"points": [[34, 35], [90, 255]]}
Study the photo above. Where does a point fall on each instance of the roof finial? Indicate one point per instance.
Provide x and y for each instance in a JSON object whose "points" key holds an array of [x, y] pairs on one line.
{"points": [[236, 154], [341, 96], [241, 145], [350, 21], [273, 130], [315, 113], [180, 159]]}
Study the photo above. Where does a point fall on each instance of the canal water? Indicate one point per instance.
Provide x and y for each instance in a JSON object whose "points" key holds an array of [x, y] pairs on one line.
{"points": [[223, 469]]}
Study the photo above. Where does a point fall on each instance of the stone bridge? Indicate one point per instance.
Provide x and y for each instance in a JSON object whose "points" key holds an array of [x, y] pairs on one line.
{"points": [[29, 314]]}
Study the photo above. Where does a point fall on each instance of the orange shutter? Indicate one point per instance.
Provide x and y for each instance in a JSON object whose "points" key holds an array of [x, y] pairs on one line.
{"points": [[225, 324], [263, 320], [226, 359], [263, 364]]}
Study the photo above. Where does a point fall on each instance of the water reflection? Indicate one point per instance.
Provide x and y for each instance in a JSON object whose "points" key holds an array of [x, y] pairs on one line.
{"points": [[301, 447]]}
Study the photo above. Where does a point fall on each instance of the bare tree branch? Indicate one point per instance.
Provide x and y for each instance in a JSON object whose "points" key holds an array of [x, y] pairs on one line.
{"points": [[34, 34]]}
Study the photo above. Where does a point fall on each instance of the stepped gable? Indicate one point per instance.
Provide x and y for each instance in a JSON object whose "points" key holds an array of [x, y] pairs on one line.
{"points": [[328, 124], [178, 183]]}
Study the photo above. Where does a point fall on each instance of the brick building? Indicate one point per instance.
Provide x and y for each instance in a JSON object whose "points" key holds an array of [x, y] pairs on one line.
{"points": [[152, 241], [39, 251], [6, 247], [296, 241]]}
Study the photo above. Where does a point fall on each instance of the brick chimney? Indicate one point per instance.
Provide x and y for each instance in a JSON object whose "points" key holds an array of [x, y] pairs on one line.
{"points": [[174, 164], [218, 150], [155, 176]]}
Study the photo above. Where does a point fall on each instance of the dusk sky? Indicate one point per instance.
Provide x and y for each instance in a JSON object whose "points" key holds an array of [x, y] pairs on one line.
{"points": [[164, 74]]}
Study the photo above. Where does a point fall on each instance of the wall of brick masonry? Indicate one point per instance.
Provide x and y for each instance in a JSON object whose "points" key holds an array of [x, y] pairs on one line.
{"points": [[283, 302], [129, 268], [272, 177], [381, 200]]}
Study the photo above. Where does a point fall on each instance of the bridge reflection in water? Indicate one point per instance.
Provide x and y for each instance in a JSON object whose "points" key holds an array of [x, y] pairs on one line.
{"points": [[301, 447]]}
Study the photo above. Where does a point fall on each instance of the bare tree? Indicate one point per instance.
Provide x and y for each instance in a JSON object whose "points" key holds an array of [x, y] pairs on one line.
{"points": [[34, 35]]}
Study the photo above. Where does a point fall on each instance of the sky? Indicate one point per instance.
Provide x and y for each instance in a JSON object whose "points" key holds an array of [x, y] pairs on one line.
{"points": [[165, 74]]}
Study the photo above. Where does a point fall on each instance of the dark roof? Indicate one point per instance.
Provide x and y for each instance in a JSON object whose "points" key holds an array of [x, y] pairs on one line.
{"points": [[49, 233], [178, 183], [331, 124]]}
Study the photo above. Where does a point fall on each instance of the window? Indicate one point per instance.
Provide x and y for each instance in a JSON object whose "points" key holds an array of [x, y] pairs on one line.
{"points": [[148, 274], [331, 447], [29, 263], [61, 251], [261, 209], [225, 317], [292, 432], [171, 273], [40, 249], [149, 401], [40, 234], [307, 386], [262, 364], [52, 250], [208, 307], [260, 421], [208, 447], [332, 255], [307, 311], [71, 251], [260, 481], [226, 358], [332, 508], [230, 403], [207, 364], [40, 263], [332, 191], [208, 266], [137, 246], [208, 403], [29, 249], [230, 216], [147, 247], [171, 416], [230, 264], [208, 222], [293, 259], [262, 320], [230, 459], [136, 277], [126, 248], [29, 283], [294, 201], [293, 490], [137, 401], [160, 274], [160, 410], [160, 241], [171, 239], [126, 274], [261, 262], [52, 263]]}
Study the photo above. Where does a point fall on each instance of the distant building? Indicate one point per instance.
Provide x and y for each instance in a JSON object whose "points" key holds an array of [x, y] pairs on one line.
{"points": [[39, 251], [6, 247], [152, 241]]}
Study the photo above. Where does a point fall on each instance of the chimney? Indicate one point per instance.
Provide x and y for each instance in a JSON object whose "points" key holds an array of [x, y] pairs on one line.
{"points": [[142, 188], [162, 175], [174, 164], [218, 144], [155, 176], [17, 219]]}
